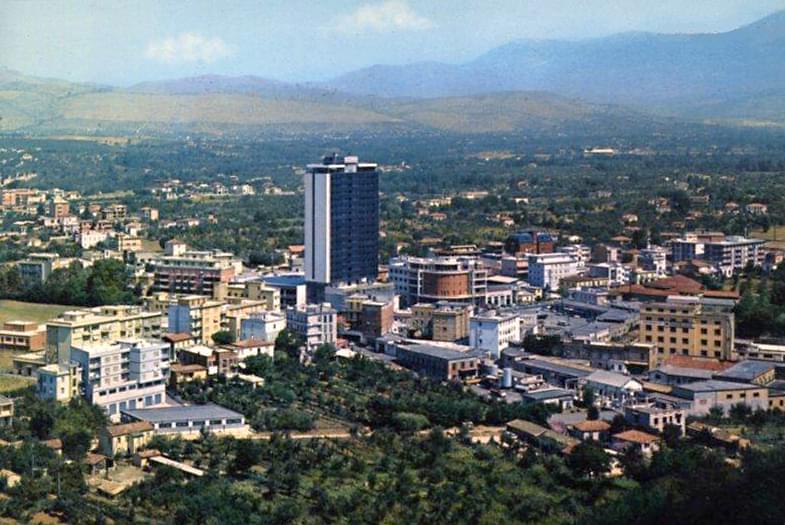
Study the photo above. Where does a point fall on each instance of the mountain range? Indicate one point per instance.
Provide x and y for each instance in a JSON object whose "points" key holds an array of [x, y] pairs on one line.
{"points": [[544, 85]]}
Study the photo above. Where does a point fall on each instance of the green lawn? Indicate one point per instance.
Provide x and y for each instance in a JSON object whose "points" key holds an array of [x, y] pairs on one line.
{"points": [[40, 313]]}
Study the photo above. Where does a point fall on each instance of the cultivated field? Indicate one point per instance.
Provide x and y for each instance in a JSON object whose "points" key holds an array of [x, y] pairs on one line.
{"points": [[17, 310]]}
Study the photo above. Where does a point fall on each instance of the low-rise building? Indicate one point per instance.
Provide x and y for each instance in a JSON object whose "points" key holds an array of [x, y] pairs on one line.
{"points": [[186, 419], [125, 439], [263, 326], [439, 362], [548, 269], [22, 336], [647, 444], [558, 397], [590, 430], [6, 411], [59, 382], [180, 374], [656, 416], [441, 321], [749, 371], [613, 387], [705, 395]]}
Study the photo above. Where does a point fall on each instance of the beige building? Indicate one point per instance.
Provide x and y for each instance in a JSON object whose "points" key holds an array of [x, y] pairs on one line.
{"points": [[59, 382], [441, 321], [691, 326], [196, 315], [254, 291], [100, 325], [125, 439], [22, 336]]}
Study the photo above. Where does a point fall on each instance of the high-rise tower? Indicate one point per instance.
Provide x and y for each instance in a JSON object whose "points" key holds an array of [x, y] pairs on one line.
{"points": [[341, 221]]}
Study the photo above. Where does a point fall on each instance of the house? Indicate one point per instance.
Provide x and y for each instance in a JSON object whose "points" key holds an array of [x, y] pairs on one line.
{"points": [[125, 439], [590, 430], [6, 411], [656, 416], [96, 463], [180, 374], [612, 386], [540, 437], [646, 443], [12, 479]]}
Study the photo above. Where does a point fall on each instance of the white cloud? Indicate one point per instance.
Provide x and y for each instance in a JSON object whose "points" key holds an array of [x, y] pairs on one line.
{"points": [[188, 47], [385, 17]]}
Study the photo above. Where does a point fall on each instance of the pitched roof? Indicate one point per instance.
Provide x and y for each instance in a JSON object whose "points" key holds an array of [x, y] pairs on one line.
{"points": [[636, 436], [747, 370], [592, 425], [610, 378], [526, 427], [128, 428]]}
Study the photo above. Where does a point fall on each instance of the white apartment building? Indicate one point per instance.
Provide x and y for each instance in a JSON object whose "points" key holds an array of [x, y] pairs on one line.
{"points": [[127, 375], [617, 274], [546, 270], [264, 326], [317, 324], [492, 332], [580, 252], [654, 259]]}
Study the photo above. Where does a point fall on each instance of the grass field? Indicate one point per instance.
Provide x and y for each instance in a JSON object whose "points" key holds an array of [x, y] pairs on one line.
{"points": [[775, 235], [17, 310], [9, 383]]}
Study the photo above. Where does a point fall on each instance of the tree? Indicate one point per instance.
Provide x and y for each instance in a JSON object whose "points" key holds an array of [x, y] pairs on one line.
{"points": [[223, 337], [589, 460], [671, 434], [588, 397]]}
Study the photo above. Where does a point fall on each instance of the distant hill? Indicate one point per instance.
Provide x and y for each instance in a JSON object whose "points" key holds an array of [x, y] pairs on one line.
{"points": [[612, 84], [215, 104], [650, 71]]}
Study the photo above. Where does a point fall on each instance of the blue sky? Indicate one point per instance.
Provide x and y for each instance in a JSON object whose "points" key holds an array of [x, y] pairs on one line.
{"points": [[127, 41]]}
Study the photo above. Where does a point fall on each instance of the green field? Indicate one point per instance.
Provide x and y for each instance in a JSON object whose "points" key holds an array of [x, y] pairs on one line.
{"points": [[9, 383], [775, 235], [39, 313]]}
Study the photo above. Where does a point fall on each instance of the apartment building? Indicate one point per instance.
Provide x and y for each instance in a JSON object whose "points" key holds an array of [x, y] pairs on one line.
{"points": [[128, 374], [262, 326], [728, 254], [58, 381], [548, 269], [196, 315], [691, 326], [37, 267], [185, 271], [530, 241], [493, 332], [22, 336], [317, 324], [433, 279], [654, 259], [100, 325], [442, 321], [370, 318]]}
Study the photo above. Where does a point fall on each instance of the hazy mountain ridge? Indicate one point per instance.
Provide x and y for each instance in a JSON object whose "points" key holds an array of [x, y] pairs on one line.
{"points": [[542, 85], [645, 69]]}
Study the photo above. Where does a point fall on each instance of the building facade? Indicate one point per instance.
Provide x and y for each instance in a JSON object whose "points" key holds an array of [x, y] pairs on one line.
{"points": [[690, 326], [341, 221]]}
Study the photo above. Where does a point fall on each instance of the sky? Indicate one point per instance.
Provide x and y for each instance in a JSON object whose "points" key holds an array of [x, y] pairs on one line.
{"points": [[122, 42]]}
